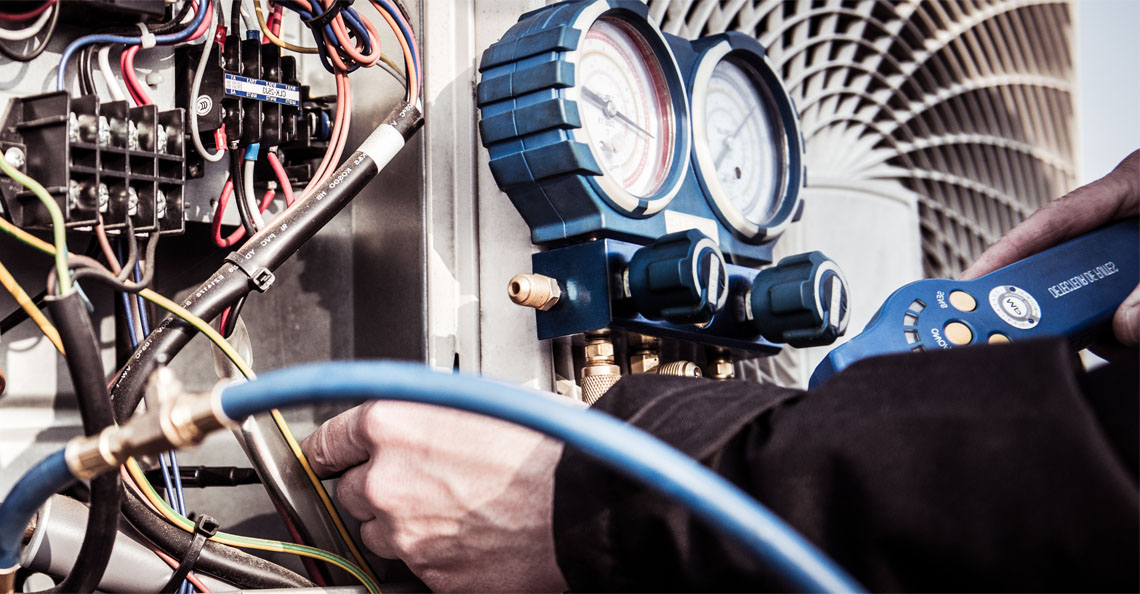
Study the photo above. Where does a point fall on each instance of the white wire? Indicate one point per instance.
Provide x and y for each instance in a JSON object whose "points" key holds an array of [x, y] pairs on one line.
{"points": [[29, 32], [250, 196], [195, 136], [247, 20], [117, 92]]}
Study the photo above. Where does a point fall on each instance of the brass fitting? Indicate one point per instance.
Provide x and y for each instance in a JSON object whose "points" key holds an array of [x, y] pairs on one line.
{"points": [[720, 365], [8, 579], [644, 353], [181, 419], [679, 368], [534, 290], [599, 373]]}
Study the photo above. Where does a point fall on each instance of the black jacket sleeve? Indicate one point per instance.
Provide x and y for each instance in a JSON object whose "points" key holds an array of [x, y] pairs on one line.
{"points": [[983, 468]]}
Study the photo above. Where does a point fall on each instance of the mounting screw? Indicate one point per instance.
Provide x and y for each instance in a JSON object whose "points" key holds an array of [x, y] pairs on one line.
{"points": [[73, 127], [104, 134], [155, 79], [132, 202], [132, 136], [73, 192], [160, 204], [15, 157], [104, 197], [160, 142]]}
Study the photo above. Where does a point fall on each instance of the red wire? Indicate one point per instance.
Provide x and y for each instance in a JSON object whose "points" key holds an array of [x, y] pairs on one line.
{"points": [[24, 16], [282, 178], [127, 65], [220, 210]]}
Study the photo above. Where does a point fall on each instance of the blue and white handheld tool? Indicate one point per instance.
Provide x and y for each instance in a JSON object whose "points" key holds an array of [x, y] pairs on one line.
{"points": [[1070, 290]]}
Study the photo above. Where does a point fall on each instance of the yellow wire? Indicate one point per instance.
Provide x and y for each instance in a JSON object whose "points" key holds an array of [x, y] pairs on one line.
{"points": [[321, 492], [27, 305], [275, 39], [246, 542]]}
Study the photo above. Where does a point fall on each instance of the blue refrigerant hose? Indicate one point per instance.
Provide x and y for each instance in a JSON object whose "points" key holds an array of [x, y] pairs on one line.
{"points": [[27, 495], [612, 442]]}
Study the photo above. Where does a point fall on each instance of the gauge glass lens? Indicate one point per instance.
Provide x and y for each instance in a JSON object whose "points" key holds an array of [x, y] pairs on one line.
{"points": [[743, 133], [626, 107]]}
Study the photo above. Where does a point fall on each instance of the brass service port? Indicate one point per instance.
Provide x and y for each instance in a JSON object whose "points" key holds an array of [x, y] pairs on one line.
{"points": [[679, 368], [599, 373], [534, 290], [720, 365]]}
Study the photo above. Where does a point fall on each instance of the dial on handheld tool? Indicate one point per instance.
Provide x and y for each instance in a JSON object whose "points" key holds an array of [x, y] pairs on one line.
{"points": [[1070, 290], [681, 278], [801, 301]]}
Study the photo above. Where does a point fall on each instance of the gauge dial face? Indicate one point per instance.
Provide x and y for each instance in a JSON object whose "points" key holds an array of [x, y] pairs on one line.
{"points": [[745, 140], [626, 107]]}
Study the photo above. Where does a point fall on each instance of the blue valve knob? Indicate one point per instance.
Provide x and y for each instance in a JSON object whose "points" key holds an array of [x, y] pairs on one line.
{"points": [[681, 278], [801, 301]]}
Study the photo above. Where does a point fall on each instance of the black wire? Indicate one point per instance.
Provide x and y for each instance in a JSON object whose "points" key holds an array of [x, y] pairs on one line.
{"points": [[231, 319], [244, 212], [20, 316], [235, 18], [223, 562], [86, 75], [86, 366], [172, 24], [39, 49]]}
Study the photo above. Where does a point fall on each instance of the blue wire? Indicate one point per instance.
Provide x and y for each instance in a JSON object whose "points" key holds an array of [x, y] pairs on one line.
{"points": [[24, 500], [74, 46], [134, 339], [407, 37], [626, 449], [169, 460]]}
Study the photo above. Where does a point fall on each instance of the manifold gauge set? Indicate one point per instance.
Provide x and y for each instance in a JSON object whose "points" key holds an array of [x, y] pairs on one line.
{"points": [[657, 173]]}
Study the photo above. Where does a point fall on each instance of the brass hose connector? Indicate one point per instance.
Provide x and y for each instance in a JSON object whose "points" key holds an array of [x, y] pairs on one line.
{"points": [[720, 365], [679, 368], [181, 419], [644, 353], [599, 373], [8, 579], [534, 290]]}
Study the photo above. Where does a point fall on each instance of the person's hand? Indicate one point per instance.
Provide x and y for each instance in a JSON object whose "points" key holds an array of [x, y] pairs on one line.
{"points": [[466, 501], [1110, 198]]}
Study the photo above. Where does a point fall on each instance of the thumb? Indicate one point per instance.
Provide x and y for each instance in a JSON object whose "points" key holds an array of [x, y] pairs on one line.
{"points": [[338, 444], [1126, 322]]}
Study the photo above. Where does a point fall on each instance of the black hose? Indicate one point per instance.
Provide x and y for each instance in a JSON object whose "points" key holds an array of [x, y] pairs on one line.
{"points": [[261, 253], [86, 367], [223, 562]]}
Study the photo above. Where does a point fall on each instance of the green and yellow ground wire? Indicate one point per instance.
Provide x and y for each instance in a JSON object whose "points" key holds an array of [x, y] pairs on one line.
{"points": [[246, 542]]}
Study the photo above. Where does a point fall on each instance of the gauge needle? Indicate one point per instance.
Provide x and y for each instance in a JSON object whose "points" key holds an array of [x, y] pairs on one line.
{"points": [[610, 109], [731, 137]]}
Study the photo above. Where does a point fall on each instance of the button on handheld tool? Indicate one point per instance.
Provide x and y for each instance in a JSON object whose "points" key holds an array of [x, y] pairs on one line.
{"points": [[1070, 290]]}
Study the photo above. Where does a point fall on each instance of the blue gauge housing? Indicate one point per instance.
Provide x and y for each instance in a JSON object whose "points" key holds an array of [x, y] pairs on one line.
{"points": [[532, 129]]}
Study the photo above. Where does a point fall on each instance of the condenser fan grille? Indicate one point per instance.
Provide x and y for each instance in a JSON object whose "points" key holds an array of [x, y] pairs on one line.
{"points": [[966, 104]]}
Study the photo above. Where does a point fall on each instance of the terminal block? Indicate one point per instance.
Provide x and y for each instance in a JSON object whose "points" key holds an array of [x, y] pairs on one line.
{"points": [[95, 159], [251, 91]]}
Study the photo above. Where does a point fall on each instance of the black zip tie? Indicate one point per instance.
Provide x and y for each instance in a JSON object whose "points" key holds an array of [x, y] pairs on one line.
{"points": [[318, 22], [205, 528]]}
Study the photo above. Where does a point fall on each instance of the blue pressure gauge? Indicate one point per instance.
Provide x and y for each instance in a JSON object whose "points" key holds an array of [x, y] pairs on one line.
{"points": [[584, 114], [747, 143], [598, 125]]}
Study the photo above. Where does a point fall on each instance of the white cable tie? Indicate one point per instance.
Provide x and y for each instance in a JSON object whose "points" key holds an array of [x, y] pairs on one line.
{"points": [[146, 40]]}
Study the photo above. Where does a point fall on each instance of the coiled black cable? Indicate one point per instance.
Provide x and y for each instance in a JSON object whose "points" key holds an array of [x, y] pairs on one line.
{"points": [[86, 367], [12, 54]]}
